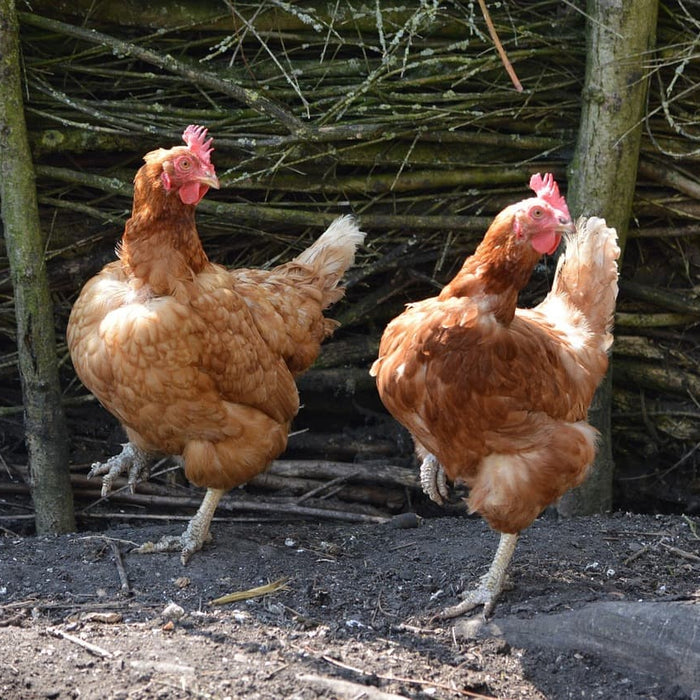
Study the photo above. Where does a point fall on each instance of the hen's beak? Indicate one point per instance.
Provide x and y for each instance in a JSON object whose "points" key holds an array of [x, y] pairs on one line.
{"points": [[566, 226], [209, 179]]}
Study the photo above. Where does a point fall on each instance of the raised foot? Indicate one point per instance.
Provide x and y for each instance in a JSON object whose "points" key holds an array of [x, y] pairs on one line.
{"points": [[131, 460], [433, 480]]}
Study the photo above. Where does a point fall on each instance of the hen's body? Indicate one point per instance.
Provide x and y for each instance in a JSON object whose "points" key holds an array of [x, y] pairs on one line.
{"points": [[498, 396], [498, 405], [208, 375], [193, 359]]}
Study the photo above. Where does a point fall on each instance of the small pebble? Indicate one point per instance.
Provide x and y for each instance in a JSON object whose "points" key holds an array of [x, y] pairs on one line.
{"points": [[405, 521], [172, 611]]}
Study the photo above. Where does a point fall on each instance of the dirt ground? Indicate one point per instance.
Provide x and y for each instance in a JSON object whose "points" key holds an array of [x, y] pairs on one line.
{"points": [[353, 619]]}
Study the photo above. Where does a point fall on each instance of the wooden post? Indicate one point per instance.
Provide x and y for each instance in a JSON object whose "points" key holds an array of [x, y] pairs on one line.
{"points": [[45, 427], [619, 39]]}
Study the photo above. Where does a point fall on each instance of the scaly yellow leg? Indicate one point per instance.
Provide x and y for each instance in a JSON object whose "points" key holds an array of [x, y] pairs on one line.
{"points": [[491, 584]]}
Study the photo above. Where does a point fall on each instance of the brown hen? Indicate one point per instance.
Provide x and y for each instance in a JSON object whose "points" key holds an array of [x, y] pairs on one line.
{"points": [[193, 359], [495, 396]]}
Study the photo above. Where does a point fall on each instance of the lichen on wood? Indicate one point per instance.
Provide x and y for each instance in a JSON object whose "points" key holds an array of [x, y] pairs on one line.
{"points": [[45, 428], [603, 176]]}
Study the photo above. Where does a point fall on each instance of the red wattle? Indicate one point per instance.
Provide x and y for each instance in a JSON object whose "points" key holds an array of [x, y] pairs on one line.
{"points": [[192, 192], [546, 242]]}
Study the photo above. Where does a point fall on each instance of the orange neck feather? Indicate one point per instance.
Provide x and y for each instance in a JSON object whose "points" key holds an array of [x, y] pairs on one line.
{"points": [[499, 268], [160, 245]]}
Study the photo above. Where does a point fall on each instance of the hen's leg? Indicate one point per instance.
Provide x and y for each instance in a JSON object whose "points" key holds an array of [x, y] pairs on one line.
{"points": [[196, 534], [132, 460], [491, 584], [433, 480]]}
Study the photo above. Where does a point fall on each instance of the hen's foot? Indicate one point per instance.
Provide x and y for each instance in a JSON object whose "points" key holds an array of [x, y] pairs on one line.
{"points": [[491, 584], [131, 460], [194, 537], [187, 544], [433, 480]]}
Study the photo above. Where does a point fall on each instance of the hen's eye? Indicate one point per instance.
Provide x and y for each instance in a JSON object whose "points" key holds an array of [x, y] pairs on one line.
{"points": [[185, 164], [537, 213]]}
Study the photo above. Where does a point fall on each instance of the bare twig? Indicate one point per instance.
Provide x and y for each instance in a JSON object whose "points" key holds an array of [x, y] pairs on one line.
{"points": [[641, 551], [15, 619], [275, 509], [92, 648], [499, 47], [680, 552], [254, 99], [693, 527], [346, 690], [162, 667], [324, 487], [402, 679], [119, 561]]}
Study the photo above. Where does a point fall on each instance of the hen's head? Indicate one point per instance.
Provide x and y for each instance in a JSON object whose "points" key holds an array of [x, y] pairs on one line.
{"points": [[186, 170], [542, 220]]}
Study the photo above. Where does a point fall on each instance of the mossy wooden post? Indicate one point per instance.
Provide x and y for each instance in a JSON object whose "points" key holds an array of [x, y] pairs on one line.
{"points": [[619, 39], [45, 427]]}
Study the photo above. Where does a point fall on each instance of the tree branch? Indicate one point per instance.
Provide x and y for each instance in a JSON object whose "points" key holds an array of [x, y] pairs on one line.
{"points": [[254, 99]]}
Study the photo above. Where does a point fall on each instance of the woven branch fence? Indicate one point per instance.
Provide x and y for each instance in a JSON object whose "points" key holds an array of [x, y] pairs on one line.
{"points": [[402, 114]]}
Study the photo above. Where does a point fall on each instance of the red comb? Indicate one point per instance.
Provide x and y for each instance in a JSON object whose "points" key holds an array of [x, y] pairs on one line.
{"points": [[546, 188], [194, 137]]}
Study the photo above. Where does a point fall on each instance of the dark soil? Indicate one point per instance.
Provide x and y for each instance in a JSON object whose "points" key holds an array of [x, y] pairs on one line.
{"points": [[352, 621]]}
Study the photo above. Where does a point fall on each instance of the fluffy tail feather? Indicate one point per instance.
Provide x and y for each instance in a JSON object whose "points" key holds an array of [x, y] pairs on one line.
{"points": [[587, 274], [331, 255]]}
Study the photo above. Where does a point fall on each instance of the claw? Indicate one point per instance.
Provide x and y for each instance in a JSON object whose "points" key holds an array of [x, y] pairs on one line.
{"points": [[131, 460], [481, 595], [185, 543], [491, 584], [433, 480], [194, 537]]}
